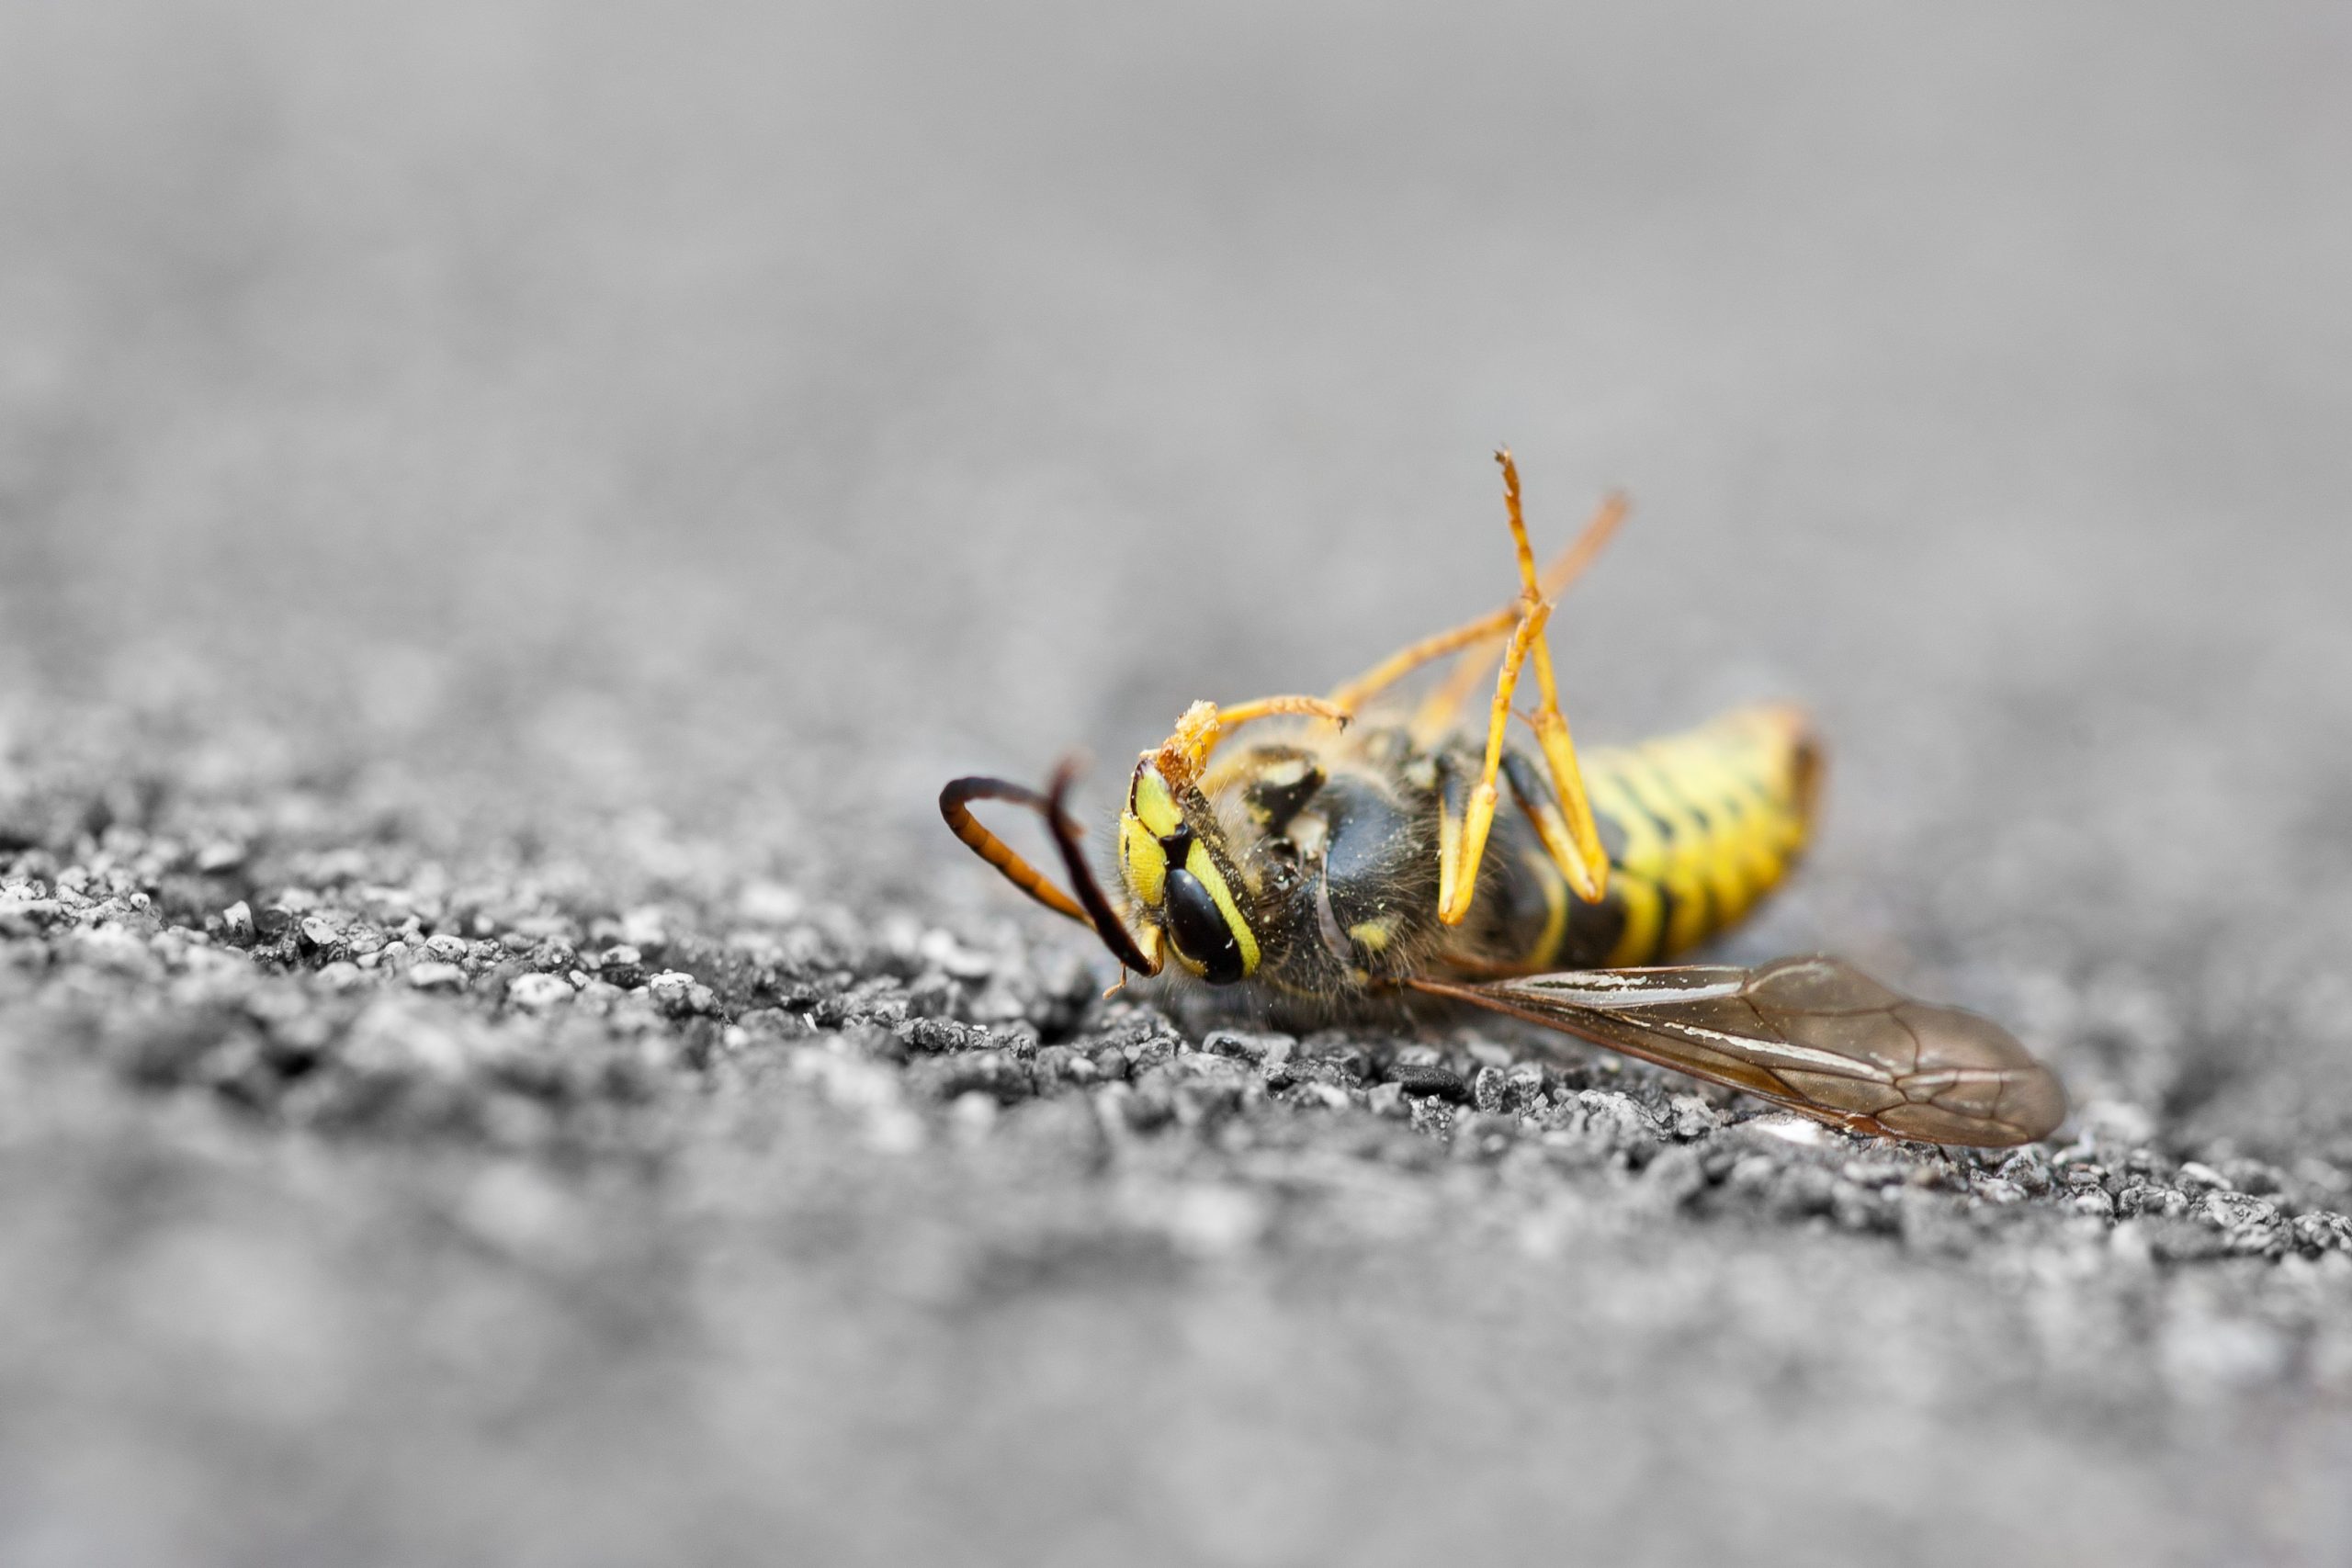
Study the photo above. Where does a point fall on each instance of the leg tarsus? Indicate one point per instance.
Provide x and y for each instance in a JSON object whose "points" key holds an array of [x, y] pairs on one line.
{"points": [[1185, 753], [1488, 630]]}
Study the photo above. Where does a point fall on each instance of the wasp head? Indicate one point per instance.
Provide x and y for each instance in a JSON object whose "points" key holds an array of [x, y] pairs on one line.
{"points": [[1171, 858]]}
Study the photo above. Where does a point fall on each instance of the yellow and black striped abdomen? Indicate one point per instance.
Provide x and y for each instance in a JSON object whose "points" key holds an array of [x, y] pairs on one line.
{"points": [[1699, 826]]}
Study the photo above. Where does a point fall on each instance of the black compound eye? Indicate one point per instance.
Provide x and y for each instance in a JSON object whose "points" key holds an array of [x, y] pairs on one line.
{"points": [[1197, 928]]}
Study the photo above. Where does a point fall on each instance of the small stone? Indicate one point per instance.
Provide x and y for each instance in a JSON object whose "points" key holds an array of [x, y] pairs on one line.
{"points": [[2237, 1210], [2093, 1200], [2322, 1231], [342, 976], [1786, 1126], [237, 922], [2150, 1197], [1415, 1077], [29, 916], [1268, 1048], [432, 976], [674, 991], [536, 993], [1523, 1090], [1690, 1117], [1345, 1058], [1387, 1099], [448, 949], [936, 1035], [221, 855], [2029, 1168]]}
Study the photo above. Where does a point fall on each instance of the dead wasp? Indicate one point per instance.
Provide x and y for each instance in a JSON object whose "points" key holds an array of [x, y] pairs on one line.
{"points": [[1361, 853]]}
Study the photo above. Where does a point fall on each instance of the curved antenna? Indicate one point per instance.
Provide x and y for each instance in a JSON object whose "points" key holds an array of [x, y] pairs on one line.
{"points": [[953, 805], [1107, 924], [1091, 907]]}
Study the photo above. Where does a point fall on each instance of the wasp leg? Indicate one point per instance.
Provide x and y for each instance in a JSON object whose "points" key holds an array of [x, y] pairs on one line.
{"points": [[1405, 661], [1462, 840], [1482, 632], [1587, 871], [1441, 709], [1185, 753], [1462, 843]]}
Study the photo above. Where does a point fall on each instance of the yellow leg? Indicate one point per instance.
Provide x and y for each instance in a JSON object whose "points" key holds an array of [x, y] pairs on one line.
{"points": [[1441, 709], [1459, 849], [1485, 629], [1585, 862], [1587, 870], [1407, 660], [1183, 754]]}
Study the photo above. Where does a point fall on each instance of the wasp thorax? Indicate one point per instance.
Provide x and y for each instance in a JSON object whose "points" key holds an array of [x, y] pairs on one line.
{"points": [[1178, 883]]}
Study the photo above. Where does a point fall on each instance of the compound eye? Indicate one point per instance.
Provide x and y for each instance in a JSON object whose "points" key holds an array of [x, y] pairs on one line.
{"points": [[1198, 928]]}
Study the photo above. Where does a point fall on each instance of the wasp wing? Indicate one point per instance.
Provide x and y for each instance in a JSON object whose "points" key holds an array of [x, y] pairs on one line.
{"points": [[1814, 1035]]}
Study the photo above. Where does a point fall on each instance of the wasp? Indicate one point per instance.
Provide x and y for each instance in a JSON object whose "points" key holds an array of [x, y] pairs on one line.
{"points": [[1359, 853]]}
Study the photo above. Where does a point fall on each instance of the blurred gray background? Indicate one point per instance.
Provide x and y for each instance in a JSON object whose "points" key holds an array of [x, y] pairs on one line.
{"points": [[755, 413]]}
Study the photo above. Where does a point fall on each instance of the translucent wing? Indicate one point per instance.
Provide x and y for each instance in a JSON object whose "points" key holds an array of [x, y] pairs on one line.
{"points": [[1814, 1035]]}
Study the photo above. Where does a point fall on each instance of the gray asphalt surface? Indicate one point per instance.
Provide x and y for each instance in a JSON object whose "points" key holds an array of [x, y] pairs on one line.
{"points": [[508, 513]]}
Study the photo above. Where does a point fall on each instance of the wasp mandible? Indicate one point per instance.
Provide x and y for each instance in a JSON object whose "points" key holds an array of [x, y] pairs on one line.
{"points": [[1361, 851]]}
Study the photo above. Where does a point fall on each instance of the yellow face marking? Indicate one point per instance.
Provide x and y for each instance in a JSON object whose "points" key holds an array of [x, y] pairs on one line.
{"points": [[1372, 935], [1151, 815], [1152, 803], [1142, 860], [1205, 870]]}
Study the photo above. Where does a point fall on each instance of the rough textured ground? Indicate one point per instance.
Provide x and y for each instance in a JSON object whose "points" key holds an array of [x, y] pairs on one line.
{"points": [[508, 513]]}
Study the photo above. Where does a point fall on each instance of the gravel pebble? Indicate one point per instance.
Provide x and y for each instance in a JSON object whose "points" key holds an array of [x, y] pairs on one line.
{"points": [[536, 993], [1427, 1078], [437, 976]]}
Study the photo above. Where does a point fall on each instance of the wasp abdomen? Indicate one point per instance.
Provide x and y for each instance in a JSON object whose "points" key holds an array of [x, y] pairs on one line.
{"points": [[1699, 826]]}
